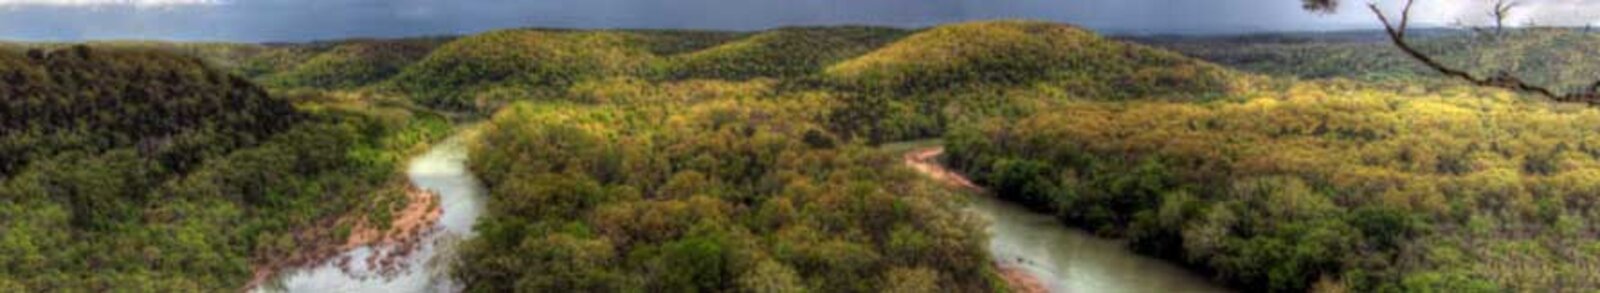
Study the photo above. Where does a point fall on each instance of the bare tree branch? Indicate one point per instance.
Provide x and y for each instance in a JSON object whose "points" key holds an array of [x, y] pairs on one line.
{"points": [[1397, 34], [1501, 12], [1405, 18]]}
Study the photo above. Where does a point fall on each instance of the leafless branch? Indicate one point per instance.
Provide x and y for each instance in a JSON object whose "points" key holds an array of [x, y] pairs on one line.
{"points": [[1502, 12], [1397, 34]]}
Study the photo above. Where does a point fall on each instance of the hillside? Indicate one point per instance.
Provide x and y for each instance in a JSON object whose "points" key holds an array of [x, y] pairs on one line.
{"points": [[221, 55], [1561, 58], [704, 161], [781, 53], [918, 85], [1021, 53], [719, 193], [480, 71], [675, 42], [352, 64], [145, 170], [1331, 187], [111, 98], [277, 59], [757, 174]]}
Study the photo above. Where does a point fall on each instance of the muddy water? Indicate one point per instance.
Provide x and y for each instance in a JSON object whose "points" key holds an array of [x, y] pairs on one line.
{"points": [[1070, 260], [1062, 258], [443, 170]]}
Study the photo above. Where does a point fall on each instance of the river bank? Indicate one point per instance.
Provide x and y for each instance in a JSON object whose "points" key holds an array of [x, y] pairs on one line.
{"points": [[922, 160], [1036, 253], [411, 254], [407, 227]]}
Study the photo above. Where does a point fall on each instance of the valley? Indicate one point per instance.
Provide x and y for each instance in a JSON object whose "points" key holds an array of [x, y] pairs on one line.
{"points": [[984, 156]]}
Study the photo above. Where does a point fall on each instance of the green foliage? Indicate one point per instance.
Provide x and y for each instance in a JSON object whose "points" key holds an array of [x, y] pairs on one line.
{"points": [[485, 70], [918, 85], [695, 264], [352, 64], [688, 161], [141, 170], [781, 53], [719, 193], [276, 59], [1028, 54], [93, 100], [225, 56], [1386, 190], [1557, 57], [674, 42]]}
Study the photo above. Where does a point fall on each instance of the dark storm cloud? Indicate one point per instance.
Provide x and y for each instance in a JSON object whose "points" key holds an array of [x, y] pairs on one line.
{"points": [[295, 20]]}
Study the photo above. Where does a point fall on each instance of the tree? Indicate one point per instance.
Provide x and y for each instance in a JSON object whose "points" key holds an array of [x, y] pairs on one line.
{"points": [[770, 276], [1500, 12], [695, 264], [1397, 35]]}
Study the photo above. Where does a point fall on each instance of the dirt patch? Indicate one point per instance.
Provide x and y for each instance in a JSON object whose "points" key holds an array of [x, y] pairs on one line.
{"points": [[403, 237], [925, 161], [320, 246], [1020, 280]]}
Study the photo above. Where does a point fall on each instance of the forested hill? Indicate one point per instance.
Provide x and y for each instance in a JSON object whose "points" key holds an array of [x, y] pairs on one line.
{"points": [[145, 170], [947, 63], [628, 160], [747, 166], [1561, 58], [124, 145], [89, 99]]}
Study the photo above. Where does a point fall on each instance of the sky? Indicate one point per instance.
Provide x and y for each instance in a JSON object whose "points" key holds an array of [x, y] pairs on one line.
{"points": [[303, 20]]}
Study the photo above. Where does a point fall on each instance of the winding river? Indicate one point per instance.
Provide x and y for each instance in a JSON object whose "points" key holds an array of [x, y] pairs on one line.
{"points": [[443, 170], [1062, 258], [1058, 258]]}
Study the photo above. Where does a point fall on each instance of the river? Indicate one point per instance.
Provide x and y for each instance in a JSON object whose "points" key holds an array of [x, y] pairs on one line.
{"points": [[443, 170], [1062, 258]]}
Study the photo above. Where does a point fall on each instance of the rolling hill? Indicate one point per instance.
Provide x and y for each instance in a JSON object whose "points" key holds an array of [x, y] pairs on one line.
{"points": [[781, 53], [640, 160], [353, 64], [1561, 58], [484, 69], [122, 97], [1023, 53], [148, 170]]}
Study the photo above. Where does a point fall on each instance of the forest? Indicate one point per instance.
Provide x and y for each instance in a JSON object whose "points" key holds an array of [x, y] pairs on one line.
{"points": [[1557, 56], [143, 170], [710, 161], [1369, 190]]}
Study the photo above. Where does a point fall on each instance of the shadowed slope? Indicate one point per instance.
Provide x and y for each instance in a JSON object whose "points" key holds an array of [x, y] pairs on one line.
{"points": [[354, 64], [496, 66], [788, 52]]}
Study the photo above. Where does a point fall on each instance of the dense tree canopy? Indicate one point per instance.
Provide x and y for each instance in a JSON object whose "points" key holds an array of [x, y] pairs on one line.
{"points": [[690, 161], [724, 193], [82, 98], [141, 170], [1357, 188]]}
